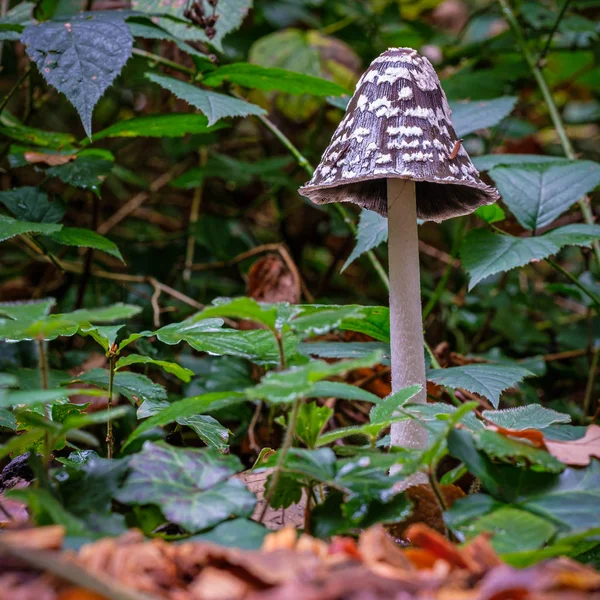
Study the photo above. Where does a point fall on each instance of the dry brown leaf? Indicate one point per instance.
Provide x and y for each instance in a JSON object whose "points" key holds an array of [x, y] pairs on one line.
{"points": [[270, 280], [534, 436], [579, 452], [77, 593], [38, 538], [52, 160]]}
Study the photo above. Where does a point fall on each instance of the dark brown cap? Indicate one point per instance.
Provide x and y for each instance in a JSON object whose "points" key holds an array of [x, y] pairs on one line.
{"points": [[398, 124]]}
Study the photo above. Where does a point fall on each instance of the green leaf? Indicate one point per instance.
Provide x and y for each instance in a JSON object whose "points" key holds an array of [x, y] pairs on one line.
{"points": [[230, 13], [311, 420], [344, 349], [317, 319], [515, 452], [491, 213], [485, 253], [170, 367], [134, 386], [11, 227], [33, 204], [189, 331], [532, 416], [342, 391], [372, 231], [193, 488], [490, 161], [187, 408], [85, 238], [174, 125], [371, 320], [385, 410], [539, 193], [48, 328], [27, 311], [14, 129], [80, 57], [241, 308], [484, 379], [105, 335], [283, 387], [237, 533], [214, 106], [107, 314], [273, 79], [468, 117], [28, 397], [86, 172], [209, 430]]}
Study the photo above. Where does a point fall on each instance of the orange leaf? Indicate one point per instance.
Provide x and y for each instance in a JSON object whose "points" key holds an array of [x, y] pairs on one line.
{"points": [[428, 539], [535, 436], [53, 160], [577, 452]]}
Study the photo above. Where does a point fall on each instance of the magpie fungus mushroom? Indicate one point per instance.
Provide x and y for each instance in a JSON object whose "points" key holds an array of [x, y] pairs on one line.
{"points": [[396, 152]]}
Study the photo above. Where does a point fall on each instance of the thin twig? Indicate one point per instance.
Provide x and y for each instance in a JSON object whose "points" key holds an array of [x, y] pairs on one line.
{"points": [[589, 388], [14, 89], [110, 440], [589, 293], [163, 61], [154, 303], [555, 25], [194, 214]]}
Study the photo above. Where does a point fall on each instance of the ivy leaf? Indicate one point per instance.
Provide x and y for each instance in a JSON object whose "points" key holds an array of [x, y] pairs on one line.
{"points": [[372, 231], [170, 367], [273, 79], [193, 488], [10, 227], [85, 238], [33, 204], [539, 193], [176, 125], [468, 117], [532, 416], [80, 57], [214, 106], [485, 253], [231, 13], [86, 172], [484, 379]]}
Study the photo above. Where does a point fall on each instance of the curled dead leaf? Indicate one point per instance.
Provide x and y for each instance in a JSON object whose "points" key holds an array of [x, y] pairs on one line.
{"points": [[52, 160], [579, 452]]}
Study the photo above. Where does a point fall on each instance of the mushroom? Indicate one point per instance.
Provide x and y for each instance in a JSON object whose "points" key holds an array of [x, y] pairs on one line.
{"points": [[396, 152]]}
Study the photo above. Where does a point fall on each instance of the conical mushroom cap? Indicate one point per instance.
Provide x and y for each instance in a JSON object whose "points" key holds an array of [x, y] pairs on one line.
{"points": [[398, 124]]}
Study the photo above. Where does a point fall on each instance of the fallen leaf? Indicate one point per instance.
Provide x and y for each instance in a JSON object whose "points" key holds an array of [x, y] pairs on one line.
{"points": [[579, 452], [535, 436], [53, 160], [271, 280]]}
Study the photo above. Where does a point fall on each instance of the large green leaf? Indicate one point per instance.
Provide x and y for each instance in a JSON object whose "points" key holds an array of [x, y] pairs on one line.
{"points": [[170, 367], [47, 328], [371, 320], [485, 253], [468, 117], [283, 387], [208, 429], [269, 79], [33, 204], [174, 125], [193, 488], [85, 238], [241, 308], [237, 533], [230, 13], [215, 106], [10, 227], [80, 57], [86, 172], [14, 129], [484, 379], [27, 311], [532, 416], [372, 231], [539, 193]]}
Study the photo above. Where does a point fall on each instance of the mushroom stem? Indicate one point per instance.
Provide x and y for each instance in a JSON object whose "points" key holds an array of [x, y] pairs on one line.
{"points": [[406, 327]]}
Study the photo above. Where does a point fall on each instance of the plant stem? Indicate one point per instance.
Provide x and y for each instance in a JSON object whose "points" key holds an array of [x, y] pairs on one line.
{"points": [[586, 211], [555, 25], [43, 360], [110, 442], [303, 162], [163, 61], [589, 388], [287, 444], [591, 295], [14, 89], [194, 214]]}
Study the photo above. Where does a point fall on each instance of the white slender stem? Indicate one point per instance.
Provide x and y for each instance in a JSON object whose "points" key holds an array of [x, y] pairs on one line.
{"points": [[406, 328]]}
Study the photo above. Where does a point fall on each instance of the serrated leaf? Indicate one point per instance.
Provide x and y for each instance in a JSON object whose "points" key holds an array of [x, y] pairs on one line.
{"points": [[539, 193], [85, 238], [105, 335], [48, 328], [532, 416], [484, 253], [372, 231], [26, 311], [10, 227], [241, 308], [134, 386], [273, 79], [107, 314], [170, 367], [193, 488], [215, 106], [186, 331], [283, 387], [33, 204], [490, 161], [230, 13], [516, 452], [384, 410], [484, 379], [176, 125], [311, 420], [468, 117], [187, 407], [80, 57], [86, 172]]}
